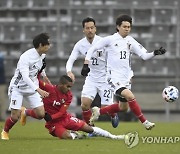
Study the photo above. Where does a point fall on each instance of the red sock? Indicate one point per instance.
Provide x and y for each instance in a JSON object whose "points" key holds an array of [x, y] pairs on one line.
{"points": [[110, 109], [31, 113], [135, 108], [86, 115], [8, 124]]}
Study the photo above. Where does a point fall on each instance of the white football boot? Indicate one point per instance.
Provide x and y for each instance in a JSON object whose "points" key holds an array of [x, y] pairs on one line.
{"points": [[95, 114], [148, 125]]}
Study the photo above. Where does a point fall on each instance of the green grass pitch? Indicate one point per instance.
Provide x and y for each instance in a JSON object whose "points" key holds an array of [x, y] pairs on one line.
{"points": [[33, 138]]}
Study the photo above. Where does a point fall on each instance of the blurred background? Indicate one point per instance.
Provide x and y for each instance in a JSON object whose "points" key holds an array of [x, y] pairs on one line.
{"points": [[156, 23]]}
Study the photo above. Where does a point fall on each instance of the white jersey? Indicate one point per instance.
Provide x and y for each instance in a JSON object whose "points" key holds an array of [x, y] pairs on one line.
{"points": [[119, 52], [28, 66], [97, 61]]}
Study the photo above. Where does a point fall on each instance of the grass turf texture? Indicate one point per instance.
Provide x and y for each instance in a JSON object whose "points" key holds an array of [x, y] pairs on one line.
{"points": [[34, 138]]}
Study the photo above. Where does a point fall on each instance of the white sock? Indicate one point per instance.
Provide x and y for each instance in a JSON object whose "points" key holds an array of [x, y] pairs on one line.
{"points": [[118, 137], [100, 132]]}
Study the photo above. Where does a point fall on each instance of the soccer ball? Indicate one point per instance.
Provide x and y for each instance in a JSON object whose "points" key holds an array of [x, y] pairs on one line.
{"points": [[170, 94]]}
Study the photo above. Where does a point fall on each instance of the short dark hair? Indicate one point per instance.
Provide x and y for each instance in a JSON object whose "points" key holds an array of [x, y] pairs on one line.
{"points": [[64, 79], [88, 19], [122, 18], [41, 39]]}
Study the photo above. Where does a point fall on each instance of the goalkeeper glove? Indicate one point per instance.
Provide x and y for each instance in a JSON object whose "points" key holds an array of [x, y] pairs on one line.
{"points": [[47, 117], [160, 51], [85, 70]]}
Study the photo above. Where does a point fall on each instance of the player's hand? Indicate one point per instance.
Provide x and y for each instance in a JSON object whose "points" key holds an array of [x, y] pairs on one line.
{"points": [[159, 51], [71, 75], [85, 70], [42, 93], [47, 117]]}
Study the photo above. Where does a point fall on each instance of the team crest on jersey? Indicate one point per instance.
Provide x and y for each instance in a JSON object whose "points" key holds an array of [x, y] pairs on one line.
{"points": [[62, 101], [99, 53], [14, 102], [129, 46]]}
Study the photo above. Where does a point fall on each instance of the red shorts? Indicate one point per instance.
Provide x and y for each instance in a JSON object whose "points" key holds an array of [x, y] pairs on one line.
{"points": [[68, 123]]}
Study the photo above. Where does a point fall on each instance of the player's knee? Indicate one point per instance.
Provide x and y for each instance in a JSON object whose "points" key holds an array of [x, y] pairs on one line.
{"points": [[130, 97], [40, 114], [39, 111], [120, 98], [85, 106], [15, 118], [15, 115], [126, 93], [85, 103]]}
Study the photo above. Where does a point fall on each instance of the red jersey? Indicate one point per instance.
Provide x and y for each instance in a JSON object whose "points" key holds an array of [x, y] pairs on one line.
{"points": [[57, 103]]}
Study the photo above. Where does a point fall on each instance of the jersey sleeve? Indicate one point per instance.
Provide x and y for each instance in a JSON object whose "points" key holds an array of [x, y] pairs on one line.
{"points": [[139, 50], [63, 108], [23, 66], [74, 55]]}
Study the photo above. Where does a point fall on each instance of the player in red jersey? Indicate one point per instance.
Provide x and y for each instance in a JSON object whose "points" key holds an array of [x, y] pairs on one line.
{"points": [[58, 120]]}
